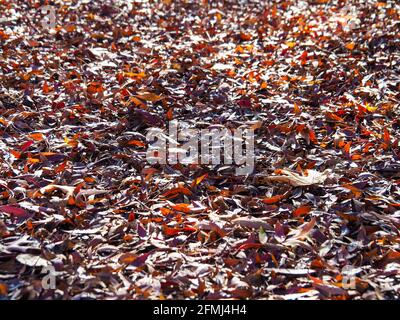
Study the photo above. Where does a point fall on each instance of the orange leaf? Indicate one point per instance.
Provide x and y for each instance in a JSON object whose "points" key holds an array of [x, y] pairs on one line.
{"points": [[189, 229], [198, 180], [61, 167], [392, 256], [311, 135], [33, 160], [355, 157], [346, 148], [127, 258], [165, 211], [177, 191], [3, 35], [171, 231], [274, 199], [136, 76], [95, 87], [3, 121], [303, 57], [148, 96], [350, 45], [36, 136], [170, 114], [71, 201], [357, 192], [245, 36], [341, 144], [46, 88], [334, 117], [297, 109], [16, 154], [291, 44], [137, 102], [182, 207], [264, 85], [71, 142], [70, 28], [315, 280], [386, 137], [79, 187], [136, 143], [3, 289], [301, 211]]}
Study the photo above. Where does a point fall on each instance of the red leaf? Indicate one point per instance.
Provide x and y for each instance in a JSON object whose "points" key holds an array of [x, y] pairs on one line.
{"points": [[386, 138], [15, 211], [189, 229], [16, 154], [171, 231], [26, 145], [140, 260], [61, 167]]}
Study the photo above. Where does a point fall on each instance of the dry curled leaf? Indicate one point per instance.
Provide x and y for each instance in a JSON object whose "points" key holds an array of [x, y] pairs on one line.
{"points": [[253, 223], [313, 177], [32, 260]]}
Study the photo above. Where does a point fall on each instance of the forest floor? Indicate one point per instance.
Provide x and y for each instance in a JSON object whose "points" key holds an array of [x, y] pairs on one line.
{"points": [[84, 215]]}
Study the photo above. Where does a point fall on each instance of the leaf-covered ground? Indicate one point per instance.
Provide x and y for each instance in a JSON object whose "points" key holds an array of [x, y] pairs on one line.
{"points": [[318, 80]]}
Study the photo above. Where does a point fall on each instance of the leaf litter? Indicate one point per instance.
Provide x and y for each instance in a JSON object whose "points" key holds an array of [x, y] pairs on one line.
{"points": [[317, 80]]}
